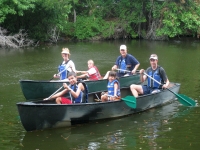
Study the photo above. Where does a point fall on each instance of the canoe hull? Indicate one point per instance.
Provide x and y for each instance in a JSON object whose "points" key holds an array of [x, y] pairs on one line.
{"points": [[39, 116], [34, 90]]}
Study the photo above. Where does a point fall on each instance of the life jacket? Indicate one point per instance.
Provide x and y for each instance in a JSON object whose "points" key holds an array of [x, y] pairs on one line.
{"points": [[122, 65], [157, 76], [83, 96], [95, 76], [110, 87], [63, 68]]}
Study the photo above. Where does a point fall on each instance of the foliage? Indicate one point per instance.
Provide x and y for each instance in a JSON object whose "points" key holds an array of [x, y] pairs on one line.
{"points": [[85, 19], [15, 7], [180, 19], [87, 27], [46, 15]]}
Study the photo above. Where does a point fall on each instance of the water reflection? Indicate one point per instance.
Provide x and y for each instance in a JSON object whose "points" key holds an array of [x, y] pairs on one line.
{"points": [[123, 133]]}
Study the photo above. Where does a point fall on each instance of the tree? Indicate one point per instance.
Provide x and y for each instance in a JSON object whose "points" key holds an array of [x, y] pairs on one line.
{"points": [[14, 7]]}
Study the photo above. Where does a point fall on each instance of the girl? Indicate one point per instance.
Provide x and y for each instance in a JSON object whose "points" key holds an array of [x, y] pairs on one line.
{"points": [[113, 88]]}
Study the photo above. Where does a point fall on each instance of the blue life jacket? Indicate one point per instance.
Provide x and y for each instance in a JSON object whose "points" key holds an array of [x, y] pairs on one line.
{"points": [[61, 68], [156, 76], [110, 87], [63, 75], [80, 97], [83, 96], [122, 65]]}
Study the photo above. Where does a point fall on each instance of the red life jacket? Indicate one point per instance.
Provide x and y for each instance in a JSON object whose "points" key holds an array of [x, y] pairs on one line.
{"points": [[95, 76]]}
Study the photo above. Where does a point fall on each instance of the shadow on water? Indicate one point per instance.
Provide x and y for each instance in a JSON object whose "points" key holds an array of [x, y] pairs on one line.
{"points": [[121, 133]]}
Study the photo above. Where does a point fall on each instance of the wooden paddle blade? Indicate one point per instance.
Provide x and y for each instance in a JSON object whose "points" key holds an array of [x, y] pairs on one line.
{"points": [[186, 101], [130, 101]]}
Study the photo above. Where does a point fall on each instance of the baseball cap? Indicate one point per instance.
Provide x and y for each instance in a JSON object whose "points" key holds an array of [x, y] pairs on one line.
{"points": [[153, 56], [123, 47]]}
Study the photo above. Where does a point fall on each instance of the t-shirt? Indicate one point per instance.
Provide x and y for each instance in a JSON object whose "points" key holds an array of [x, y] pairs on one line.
{"points": [[129, 60], [91, 71], [70, 63], [162, 73]]}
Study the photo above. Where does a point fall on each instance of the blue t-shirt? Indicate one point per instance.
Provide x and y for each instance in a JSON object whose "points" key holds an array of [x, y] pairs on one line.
{"points": [[129, 60]]}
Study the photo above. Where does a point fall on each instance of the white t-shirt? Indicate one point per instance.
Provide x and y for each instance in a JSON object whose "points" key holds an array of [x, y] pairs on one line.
{"points": [[92, 71], [70, 63]]}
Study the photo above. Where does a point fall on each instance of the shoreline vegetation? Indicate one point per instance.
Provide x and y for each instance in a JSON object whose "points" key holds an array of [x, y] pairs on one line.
{"points": [[34, 22]]}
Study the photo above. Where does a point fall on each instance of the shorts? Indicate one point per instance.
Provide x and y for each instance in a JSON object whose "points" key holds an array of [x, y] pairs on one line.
{"points": [[148, 90], [65, 100]]}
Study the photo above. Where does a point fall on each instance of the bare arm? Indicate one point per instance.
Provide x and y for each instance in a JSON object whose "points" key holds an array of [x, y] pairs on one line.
{"points": [[114, 67], [166, 84], [142, 76], [82, 72], [115, 89], [77, 93], [59, 94], [82, 76], [135, 68]]}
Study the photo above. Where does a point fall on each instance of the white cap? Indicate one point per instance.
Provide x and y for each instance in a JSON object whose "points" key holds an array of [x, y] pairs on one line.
{"points": [[123, 47], [153, 56]]}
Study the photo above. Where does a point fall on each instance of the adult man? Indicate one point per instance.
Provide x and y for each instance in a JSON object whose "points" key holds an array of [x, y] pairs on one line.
{"points": [[126, 63], [156, 72]]}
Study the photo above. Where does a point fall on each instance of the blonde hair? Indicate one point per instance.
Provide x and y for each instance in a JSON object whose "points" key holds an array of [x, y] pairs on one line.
{"points": [[91, 61]]}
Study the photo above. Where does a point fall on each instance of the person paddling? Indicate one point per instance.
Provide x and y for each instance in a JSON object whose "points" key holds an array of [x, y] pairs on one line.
{"points": [[92, 73], [155, 71], [66, 66], [125, 62], [75, 90]]}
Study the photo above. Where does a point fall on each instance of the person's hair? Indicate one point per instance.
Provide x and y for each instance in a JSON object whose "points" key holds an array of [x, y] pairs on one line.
{"points": [[113, 74], [91, 61], [71, 74]]}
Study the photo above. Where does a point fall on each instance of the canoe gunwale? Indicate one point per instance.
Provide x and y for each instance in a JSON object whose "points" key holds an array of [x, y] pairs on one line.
{"points": [[62, 81], [42, 102], [38, 89], [40, 116]]}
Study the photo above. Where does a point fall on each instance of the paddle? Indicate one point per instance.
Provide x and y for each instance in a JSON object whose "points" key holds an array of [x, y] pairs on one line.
{"points": [[130, 101], [183, 99], [54, 93], [60, 73], [123, 70], [126, 70]]}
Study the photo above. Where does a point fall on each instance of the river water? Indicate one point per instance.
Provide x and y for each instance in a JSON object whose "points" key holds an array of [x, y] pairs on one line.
{"points": [[172, 126]]}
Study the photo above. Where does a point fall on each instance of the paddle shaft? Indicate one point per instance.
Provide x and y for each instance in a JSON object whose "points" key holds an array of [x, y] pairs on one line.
{"points": [[55, 92], [168, 89], [60, 72], [97, 96], [123, 70]]}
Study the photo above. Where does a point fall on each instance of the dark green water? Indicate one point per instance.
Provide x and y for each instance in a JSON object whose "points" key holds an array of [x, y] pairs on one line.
{"points": [[169, 127]]}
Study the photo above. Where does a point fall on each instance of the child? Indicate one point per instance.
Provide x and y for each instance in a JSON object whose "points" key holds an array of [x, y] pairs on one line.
{"points": [[75, 91], [113, 88], [92, 73]]}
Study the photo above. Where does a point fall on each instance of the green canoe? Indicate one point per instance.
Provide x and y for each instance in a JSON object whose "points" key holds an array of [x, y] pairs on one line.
{"points": [[34, 90]]}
